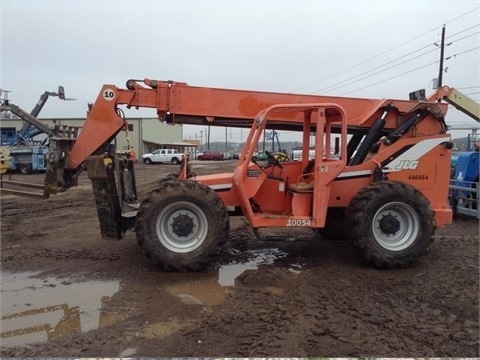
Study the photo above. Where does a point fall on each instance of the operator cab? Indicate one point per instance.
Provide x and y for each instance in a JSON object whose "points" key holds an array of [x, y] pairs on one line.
{"points": [[279, 192]]}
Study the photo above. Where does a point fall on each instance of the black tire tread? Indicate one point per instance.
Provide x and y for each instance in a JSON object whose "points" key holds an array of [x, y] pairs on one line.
{"points": [[210, 203], [357, 215]]}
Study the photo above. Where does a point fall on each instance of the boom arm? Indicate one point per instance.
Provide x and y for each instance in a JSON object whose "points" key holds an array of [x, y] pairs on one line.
{"points": [[177, 102], [29, 120], [458, 100], [26, 133]]}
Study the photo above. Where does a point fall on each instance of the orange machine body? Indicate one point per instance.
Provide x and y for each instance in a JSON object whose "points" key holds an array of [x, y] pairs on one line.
{"points": [[414, 154]]}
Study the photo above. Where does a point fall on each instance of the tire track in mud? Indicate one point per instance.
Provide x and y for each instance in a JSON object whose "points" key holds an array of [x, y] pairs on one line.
{"points": [[331, 305], [428, 310], [321, 320], [404, 312], [26, 218]]}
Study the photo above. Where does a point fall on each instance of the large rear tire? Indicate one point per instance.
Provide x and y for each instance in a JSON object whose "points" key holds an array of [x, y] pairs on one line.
{"points": [[181, 225], [391, 224]]}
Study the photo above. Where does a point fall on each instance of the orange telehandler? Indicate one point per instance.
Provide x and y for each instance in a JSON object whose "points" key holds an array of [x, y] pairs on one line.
{"points": [[380, 177]]}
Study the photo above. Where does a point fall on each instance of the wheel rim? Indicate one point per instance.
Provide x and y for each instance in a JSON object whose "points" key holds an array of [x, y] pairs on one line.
{"points": [[181, 227], [395, 226]]}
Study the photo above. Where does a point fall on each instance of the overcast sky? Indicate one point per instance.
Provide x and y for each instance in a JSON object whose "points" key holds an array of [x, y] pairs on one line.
{"points": [[377, 49]]}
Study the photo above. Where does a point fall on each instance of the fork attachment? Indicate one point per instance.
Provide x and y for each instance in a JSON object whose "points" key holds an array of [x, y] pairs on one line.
{"points": [[114, 189]]}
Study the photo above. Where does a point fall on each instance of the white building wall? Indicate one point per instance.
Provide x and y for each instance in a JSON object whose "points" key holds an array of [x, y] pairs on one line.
{"points": [[155, 132], [144, 130]]}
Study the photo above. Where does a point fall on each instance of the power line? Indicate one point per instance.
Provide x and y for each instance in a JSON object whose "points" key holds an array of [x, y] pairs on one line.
{"points": [[393, 77], [367, 60], [335, 87], [465, 37], [467, 51], [348, 82], [378, 72], [379, 82], [389, 50], [459, 17], [462, 31]]}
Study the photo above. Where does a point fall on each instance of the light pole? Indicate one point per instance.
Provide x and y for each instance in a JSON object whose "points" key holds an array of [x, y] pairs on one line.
{"points": [[201, 139]]}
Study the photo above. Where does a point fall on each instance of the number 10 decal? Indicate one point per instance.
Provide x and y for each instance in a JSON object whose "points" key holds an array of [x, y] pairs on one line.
{"points": [[109, 94]]}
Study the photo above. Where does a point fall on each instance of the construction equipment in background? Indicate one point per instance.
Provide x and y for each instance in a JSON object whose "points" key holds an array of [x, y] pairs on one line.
{"points": [[472, 138], [378, 177], [464, 185], [4, 159], [279, 154], [26, 154]]}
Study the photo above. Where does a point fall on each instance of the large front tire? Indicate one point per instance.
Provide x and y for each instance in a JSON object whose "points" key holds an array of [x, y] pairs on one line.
{"points": [[181, 225], [391, 224]]}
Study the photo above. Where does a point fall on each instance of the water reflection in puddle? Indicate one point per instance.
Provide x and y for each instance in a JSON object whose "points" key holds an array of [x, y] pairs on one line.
{"points": [[36, 310], [210, 290], [228, 273]]}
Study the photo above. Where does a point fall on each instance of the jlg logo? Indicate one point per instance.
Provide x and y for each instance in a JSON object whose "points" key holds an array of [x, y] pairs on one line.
{"points": [[407, 165]]}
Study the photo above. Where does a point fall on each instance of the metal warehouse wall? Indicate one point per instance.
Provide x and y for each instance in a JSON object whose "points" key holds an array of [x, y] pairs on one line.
{"points": [[142, 130], [155, 132]]}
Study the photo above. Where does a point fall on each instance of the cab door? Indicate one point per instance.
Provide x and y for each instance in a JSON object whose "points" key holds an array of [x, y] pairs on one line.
{"points": [[163, 155], [158, 155]]}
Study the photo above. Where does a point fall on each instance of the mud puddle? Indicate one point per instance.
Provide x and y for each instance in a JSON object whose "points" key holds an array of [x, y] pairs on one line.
{"points": [[37, 310], [34, 309], [212, 290], [228, 273], [212, 287]]}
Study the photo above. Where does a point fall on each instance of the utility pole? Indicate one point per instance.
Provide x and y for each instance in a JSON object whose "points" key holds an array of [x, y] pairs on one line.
{"points": [[208, 141], [226, 132], [442, 48], [201, 140]]}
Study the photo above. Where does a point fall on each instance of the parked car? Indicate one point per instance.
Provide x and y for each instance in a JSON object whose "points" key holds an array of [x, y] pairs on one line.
{"points": [[210, 155], [163, 155], [227, 156]]}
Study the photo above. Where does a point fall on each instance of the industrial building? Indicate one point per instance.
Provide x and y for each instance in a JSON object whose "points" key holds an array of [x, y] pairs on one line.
{"points": [[144, 134]]}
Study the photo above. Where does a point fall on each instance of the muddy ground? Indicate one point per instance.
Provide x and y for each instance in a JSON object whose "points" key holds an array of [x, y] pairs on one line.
{"points": [[67, 292]]}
